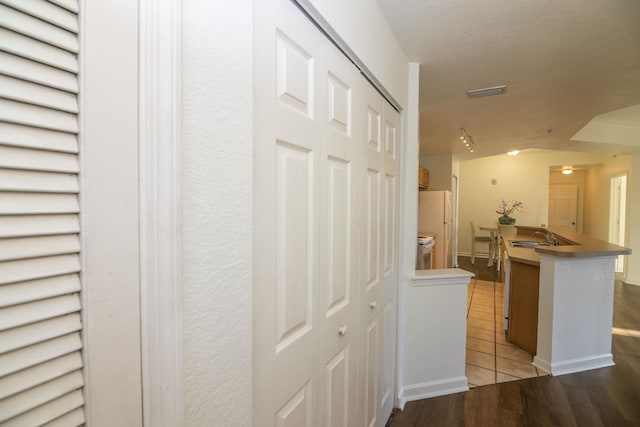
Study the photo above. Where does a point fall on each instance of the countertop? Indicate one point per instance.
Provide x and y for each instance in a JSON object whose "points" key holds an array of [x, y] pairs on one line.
{"points": [[577, 245]]}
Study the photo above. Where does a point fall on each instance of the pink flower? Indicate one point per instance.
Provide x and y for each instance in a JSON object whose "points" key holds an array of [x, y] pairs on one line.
{"points": [[508, 207]]}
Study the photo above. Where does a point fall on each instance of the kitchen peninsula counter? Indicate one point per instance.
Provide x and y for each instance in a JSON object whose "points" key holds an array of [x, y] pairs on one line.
{"points": [[572, 244], [573, 283]]}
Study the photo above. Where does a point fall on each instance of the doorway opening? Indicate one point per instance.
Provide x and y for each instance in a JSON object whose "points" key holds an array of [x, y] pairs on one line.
{"points": [[617, 215]]}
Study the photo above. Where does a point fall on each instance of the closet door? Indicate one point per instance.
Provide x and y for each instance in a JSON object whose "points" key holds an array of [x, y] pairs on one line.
{"points": [[310, 164], [41, 362], [342, 131], [286, 247], [378, 277]]}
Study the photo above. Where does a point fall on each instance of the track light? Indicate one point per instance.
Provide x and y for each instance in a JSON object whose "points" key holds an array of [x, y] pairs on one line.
{"points": [[467, 140]]}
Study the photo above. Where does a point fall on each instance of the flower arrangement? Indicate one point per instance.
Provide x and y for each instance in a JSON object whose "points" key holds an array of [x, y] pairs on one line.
{"points": [[506, 208]]}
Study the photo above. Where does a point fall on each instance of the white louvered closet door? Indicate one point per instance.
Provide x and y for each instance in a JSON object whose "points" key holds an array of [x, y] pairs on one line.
{"points": [[40, 344]]}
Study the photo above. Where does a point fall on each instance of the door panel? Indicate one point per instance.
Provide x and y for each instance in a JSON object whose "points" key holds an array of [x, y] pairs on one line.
{"points": [[297, 411], [371, 374], [338, 401], [294, 238]]}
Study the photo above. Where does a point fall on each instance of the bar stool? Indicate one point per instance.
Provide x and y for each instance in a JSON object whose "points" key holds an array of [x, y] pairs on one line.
{"points": [[475, 238]]}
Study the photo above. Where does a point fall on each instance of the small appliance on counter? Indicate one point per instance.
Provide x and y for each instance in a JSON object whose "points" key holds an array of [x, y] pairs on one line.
{"points": [[435, 214], [425, 251]]}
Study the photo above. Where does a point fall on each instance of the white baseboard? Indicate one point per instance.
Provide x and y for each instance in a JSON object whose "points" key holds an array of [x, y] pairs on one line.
{"points": [[574, 365], [432, 389], [484, 255]]}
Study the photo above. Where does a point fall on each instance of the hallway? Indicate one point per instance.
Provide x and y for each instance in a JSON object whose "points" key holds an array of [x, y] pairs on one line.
{"points": [[490, 357]]}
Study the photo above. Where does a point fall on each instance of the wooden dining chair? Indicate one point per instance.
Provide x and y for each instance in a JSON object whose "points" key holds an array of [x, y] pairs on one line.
{"points": [[478, 238]]}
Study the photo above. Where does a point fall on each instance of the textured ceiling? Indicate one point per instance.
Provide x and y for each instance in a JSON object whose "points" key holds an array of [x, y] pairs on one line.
{"points": [[564, 62]]}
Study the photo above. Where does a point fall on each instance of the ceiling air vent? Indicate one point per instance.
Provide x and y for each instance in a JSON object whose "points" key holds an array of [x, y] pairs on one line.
{"points": [[487, 91]]}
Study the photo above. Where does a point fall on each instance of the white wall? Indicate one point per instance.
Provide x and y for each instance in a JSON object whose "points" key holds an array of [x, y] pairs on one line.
{"points": [[440, 169], [217, 211], [633, 222], [598, 194]]}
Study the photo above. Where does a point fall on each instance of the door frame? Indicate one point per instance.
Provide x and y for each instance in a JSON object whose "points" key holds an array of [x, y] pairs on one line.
{"points": [[618, 215]]}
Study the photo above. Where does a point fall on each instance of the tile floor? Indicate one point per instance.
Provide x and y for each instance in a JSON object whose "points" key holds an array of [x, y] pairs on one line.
{"points": [[490, 357]]}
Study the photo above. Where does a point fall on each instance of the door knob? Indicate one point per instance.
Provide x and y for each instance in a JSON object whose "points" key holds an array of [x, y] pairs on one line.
{"points": [[373, 305], [342, 330]]}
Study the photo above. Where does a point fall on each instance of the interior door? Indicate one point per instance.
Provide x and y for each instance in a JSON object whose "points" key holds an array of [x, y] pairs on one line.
{"points": [[286, 194], [378, 279], [563, 206], [306, 244], [341, 130]]}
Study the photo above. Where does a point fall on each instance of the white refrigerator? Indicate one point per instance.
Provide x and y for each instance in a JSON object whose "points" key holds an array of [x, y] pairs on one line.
{"points": [[435, 215]]}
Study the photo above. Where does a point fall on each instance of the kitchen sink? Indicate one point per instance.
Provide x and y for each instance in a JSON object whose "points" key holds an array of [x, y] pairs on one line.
{"points": [[527, 243]]}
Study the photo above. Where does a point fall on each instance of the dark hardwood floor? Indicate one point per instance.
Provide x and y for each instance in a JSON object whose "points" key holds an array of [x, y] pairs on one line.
{"points": [[600, 397]]}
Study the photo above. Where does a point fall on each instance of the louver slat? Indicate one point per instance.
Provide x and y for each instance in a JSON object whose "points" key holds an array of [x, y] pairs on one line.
{"points": [[70, 5], [32, 398], [65, 408], [38, 225], [28, 159], [37, 94], [26, 314], [38, 182], [35, 72], [38, 268], [23, 380], [47, 12], [34, 290], [37, 203], [37, 29], [32, 115], [38, 51], [29, 137], [70, 419], [30, 356], [35, 247], [24, 336]]}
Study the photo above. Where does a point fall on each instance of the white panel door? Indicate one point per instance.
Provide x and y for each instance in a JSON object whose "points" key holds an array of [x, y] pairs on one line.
{"points": [[563, 206], [342, 130], [305, 287], [286, 227], [372, 258], [389, 260], [378, 281], [325, 248]]}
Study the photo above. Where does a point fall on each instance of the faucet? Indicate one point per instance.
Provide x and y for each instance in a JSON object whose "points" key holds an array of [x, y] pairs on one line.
{"points": [[549, 237]]}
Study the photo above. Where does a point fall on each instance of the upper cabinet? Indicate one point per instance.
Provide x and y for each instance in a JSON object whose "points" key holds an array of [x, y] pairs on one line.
{"points": [[423, 178]]}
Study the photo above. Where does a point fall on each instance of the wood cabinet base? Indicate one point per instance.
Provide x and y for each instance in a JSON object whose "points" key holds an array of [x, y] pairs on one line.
{"points": [[523, 306]]}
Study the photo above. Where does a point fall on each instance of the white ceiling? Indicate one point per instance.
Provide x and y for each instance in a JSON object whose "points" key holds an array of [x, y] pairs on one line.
{"points": [[564, 63]]}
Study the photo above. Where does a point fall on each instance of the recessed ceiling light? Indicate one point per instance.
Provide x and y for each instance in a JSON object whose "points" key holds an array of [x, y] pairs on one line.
{"points": [[495, 90], [567, 171], [513, 153]]}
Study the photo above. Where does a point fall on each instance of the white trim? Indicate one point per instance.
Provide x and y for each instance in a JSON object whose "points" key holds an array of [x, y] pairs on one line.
{"points": [[574, 365], [160, 213], [441, 276], [432, 389]]}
